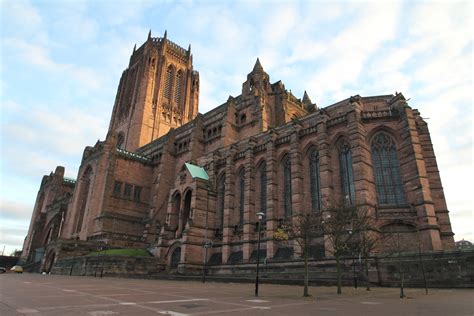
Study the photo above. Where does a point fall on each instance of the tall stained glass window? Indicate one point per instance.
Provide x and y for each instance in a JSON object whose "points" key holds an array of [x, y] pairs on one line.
{"points": [[220, 202], [315, 180], [347, 175], [287, 192], [263, 188], [178, 88], [241, 197], [387, 171], [168, 82]]}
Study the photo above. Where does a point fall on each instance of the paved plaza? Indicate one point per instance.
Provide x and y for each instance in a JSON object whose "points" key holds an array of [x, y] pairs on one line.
{"points": [[35, 294]]}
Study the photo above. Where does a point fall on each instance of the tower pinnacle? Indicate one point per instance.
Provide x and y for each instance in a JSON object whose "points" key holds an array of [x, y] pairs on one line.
{"points": [[257, 66]]}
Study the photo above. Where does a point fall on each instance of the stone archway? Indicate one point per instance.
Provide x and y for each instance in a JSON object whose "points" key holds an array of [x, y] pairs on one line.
{"points": [[175, 258]]}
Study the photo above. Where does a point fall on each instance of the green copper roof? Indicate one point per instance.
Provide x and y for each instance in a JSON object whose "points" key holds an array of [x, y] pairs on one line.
{"points": [[197, 172]]}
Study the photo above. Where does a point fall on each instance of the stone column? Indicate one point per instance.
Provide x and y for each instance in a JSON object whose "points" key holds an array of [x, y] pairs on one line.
{"points": [[249, 205], [228, 204], [436, 187], [325, 174], [296, 179], [361, 157], [272, 198], [416, 181]]}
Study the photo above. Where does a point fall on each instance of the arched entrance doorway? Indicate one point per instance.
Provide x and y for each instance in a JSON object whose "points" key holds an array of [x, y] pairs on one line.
{"points": [[175, 257]]}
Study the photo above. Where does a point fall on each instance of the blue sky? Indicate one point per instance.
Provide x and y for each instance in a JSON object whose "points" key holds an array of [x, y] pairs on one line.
{"points": [[61, 62]]}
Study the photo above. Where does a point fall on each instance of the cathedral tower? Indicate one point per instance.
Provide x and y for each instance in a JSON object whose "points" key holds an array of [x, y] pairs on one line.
{"points": [[158, 91]]}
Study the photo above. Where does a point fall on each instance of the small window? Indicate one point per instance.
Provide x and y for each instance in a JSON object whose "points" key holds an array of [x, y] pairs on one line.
{"points": [[136, 193], [117, 188], [243, 118], [127, 191]]}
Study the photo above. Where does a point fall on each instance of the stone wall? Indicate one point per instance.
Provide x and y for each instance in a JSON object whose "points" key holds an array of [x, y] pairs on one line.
{"points": [[442, 269], [117, 266], [453, 269]]}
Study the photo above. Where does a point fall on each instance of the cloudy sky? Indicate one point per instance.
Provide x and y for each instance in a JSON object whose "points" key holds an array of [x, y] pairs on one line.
{"points": [[61, 62]]}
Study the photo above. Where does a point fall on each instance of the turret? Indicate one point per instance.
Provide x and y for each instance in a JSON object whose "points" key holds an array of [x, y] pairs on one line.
{"points": [[308, 105]]}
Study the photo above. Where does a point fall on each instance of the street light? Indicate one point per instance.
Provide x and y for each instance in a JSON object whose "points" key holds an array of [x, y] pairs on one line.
{"points": [[97, 261], [260, 216], [353, 265], [73, 258]]}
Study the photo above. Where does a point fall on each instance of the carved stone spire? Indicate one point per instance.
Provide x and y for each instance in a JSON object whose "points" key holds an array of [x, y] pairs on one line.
{"points": [[258, 66], [306, 99], [308, 104]]}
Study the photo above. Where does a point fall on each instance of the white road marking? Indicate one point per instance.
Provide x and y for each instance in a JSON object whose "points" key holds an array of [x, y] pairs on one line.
{"points": [[257, 301], [27, 282], [27, 311], [69, 290], [128, 303], [180, 301], [262, 307], [98, 313], [172, 313], [370, 303]]}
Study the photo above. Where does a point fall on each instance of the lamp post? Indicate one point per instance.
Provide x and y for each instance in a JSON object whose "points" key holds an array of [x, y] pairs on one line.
{"points": [[103, 261], [73, 258], [97, 261], [260, 216], [353, 265], [354, 270]]}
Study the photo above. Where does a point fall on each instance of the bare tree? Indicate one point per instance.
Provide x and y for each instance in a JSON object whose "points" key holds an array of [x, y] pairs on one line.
{"points": [[338, 230], [304, 229], [368, 238]]}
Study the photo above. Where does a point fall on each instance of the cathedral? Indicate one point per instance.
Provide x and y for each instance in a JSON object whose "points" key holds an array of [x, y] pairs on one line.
{"points": [[264, 151]]}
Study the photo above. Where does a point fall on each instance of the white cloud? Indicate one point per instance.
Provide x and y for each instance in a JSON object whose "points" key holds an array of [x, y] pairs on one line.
{"points": [[22, 16], [40, 56], [15, 210], [333, 50]]}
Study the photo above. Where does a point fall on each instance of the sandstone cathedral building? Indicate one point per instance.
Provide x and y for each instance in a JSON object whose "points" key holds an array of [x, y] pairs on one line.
{"points": [[264, 150]]}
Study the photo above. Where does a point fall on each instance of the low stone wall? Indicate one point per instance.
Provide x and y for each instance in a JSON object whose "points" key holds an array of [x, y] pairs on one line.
{"points": [[454, 269], [119, 266], [450, 269]]}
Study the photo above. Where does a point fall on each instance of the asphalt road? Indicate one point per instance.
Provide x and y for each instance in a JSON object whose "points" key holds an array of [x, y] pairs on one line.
{"points": [[34, 294]]}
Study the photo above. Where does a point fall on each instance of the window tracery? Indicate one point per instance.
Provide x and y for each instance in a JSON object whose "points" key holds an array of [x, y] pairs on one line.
{"points": [[315, 180], [347, 175], [287, 190], [387, 171]]}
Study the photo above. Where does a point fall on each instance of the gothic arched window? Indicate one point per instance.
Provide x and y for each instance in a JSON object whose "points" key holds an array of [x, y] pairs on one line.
{"points": [[263, 188], [178, 88], [287, 192], [315, 180], [387, 171], [241, 197], [120, 140], [168, 82], [220, 202], [347, 176]]}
